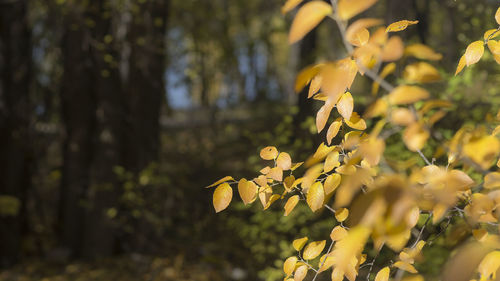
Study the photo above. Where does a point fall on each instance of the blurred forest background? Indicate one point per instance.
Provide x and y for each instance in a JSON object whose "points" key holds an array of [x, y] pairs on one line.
{"points": [[114, 114]]}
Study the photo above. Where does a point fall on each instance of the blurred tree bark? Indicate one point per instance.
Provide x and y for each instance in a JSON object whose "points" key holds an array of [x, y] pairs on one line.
{"points": [[15, 116]]}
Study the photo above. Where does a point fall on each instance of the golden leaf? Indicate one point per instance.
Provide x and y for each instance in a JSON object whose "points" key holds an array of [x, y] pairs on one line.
{"points": [[489, 265], [326, 262], [288, 182], [393, 50], [247, 191], [316, 196], [314, 86], [333, 130], [497, 15], [224, 179], [349, 247], [308, 16], [492, 180], [289, 265], [313, 249], [461, 65], [300, 273], [271, 200], [296, 165], [331, 183], [276, 174], [337, 77], [378, 108], [383, 274], [400, 25], [474, 52], [299, 243], [284, 161], [290, 5], [483, 150], [407, 94], [222, 197], [337, 274], [402, 117], [356, 122], [331, 162], [421, 72], [290, 204], [405, 266], [358, 38], [305, 76], [338, 233], [349, 8], [341, 214], [268, 153], [362, 24], [480, 234], [265, 193], [423, 52], [372, 149], [415, 137], [322, 116], [491, 34], [345, 105]]}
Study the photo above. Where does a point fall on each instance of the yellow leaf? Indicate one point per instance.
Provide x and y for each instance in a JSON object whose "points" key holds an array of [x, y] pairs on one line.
{"points": [[400, 25], [483, 150], [288, 182], [388, 69], [361, 24], [338, 233], [372, 149], [268, 153], [383, 274], [356, 122], [393, 50], [322, 116], [492, 180], [296, 165], [461, 65], [265, 170], [333, 130], [271, 200], [308, 16], [337, 274], [345, 105], [474, 52], [412, 216], [423, 52], [224, 179], [300, 273], [341, 214], [405, 266], [421, 72], [491, 34], [276, 174], [331, 162], [331, 183], [316, 196], [299, 243], [289, 265], [489, 265], [358, 38], [379, 108], [349, 247], [337, 77], [261, 180], [290, 204], [313, 249], [325, 262], [289, 5], [247, 191], [349, 8], [284, 161], [402, 117], [222, 197], [407, 94], [314, 86], [305, 76], [415, 137], [497, 15]]}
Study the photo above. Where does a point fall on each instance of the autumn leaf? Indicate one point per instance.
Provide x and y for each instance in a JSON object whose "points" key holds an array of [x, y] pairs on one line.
{"points": [[289, 265], [224, 179], [322, 116], [345, 105], [333, 130], [308, 16], [415, 137], [461, 65], [247, 191], [275, 173], [407, 94], [284, 161], [361, 24], [313, 249], [423, 52], [316, 196], [338, 233], [331, 183], [405, 266], [341, 214], [358, 38], [489, 265], [299, 243], [383, 274], [222, 197], [314, 86], [474, 52], [290, 5], [306, 75], [290, 204], [269, 153], [492, 180], [400, 25], [421, 72], [331, 162], [300, 273], [393, 49], [497, 15], [349, 8], [356, 122]]}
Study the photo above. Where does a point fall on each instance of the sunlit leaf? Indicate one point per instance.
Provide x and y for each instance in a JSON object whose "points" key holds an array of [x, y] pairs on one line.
{"points": [[322, 116], [383, 274], [268, 153], [489, 265], [276, 174], [400, 25], [333, 130], [405, 266], [415, 137], [313, 249], [349, 8], [345, 105], [289, 265], [393, 49], [492, 180], [337, 274], [402, 117], [338, 233], [356, 122], [349, 247], [308, 16], [461, 65], [407, 94], [247, 191], [271, 200], [483, 150], [290, 5], [358, 38], [284, 161], [341, 214], [290, 204], [325, 262], [474, 52], [331, 162], [331, 183], [300, 273], [316, 196], [497, 15], [421, 72], [314, 86], [299, 243], [362, 24], [224, 179], [423, 52], [222, 197], [491, 34], [306, 75]]}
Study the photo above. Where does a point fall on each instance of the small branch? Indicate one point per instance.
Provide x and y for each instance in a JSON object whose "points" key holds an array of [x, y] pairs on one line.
{"points": [[323, 262], [423, 157]]}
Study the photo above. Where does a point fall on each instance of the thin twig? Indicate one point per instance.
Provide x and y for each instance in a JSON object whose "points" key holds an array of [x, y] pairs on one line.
{"points": [[323, 262]]}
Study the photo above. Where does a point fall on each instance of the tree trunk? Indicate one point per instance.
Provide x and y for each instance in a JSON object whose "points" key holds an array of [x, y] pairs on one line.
{"points": [[15, 114]]}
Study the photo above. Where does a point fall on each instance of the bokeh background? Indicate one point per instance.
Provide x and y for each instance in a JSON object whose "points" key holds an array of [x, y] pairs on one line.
{"points": [[114, 114]]}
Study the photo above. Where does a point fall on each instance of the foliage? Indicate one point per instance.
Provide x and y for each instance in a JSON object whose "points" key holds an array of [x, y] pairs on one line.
{"points": [[384, 210]]}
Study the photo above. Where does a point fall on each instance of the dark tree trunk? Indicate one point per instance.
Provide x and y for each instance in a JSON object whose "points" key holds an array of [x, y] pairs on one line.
{"points": [[15, 114]]}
